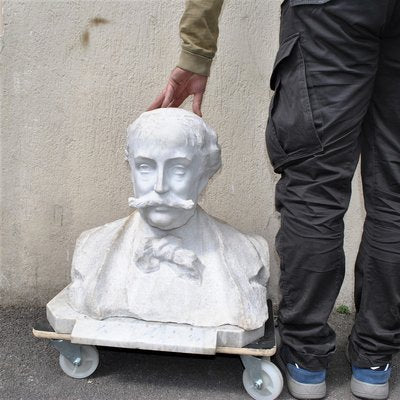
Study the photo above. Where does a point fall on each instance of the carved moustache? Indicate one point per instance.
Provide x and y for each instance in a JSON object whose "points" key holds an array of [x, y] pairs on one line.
{"points": [[153, 199]]}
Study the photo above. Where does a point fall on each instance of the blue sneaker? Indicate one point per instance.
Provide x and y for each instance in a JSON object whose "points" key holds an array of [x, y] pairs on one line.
{"points": [[371, 383], [303, 383]]}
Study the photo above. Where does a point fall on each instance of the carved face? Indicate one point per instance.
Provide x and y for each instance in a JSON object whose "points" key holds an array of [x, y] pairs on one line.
{"points": [[168, 172]]}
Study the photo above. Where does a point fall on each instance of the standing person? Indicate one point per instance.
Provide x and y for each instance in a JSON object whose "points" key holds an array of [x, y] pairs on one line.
{"points": [[337, 94]]}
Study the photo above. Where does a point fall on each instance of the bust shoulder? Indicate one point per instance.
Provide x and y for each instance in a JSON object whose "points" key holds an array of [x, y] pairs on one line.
{"points": [[234, 235], [102, 232], [93, 244]]}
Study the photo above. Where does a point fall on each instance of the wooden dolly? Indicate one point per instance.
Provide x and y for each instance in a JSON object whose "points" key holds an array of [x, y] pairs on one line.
{"points": [[261, 378]]}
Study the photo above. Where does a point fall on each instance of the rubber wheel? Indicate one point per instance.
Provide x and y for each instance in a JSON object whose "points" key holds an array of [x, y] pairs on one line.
{"points": [[89, 363], [272, 382]]}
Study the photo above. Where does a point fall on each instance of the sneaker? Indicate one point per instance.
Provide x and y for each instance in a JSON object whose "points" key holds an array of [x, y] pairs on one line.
{"points": [[303, 383], [371, 383]]}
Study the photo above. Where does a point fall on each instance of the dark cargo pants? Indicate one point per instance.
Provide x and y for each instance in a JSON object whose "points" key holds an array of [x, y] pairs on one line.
{"points": [[337, 94]]}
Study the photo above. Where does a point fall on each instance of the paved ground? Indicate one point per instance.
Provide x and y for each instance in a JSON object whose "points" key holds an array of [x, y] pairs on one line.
{"points": [[29, 370]]}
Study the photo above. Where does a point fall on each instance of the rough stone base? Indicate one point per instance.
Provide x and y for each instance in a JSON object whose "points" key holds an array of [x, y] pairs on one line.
{"points": [[137, 334]]}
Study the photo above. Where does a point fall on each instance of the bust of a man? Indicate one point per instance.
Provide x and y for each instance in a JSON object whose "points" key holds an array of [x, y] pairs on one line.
{"points": [[169, 261]]}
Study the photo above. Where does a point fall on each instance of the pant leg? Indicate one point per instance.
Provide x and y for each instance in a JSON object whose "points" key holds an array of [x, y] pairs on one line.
{"points": [[376, 334], [323, 79]]}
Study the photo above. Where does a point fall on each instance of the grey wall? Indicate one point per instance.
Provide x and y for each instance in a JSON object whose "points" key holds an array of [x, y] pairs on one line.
{"points": [[71, 86]]}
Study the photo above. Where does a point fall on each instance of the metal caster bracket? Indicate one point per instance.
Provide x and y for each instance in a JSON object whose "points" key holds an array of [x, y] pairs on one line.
{"points": [[253, 366], [72, 352]]}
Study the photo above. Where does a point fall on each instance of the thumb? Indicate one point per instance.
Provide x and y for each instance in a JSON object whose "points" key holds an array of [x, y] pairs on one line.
{"points": [[198, 98]]}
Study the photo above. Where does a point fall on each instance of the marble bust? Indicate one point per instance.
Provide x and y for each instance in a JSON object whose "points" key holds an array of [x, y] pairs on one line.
{"points": [[169, 261]]}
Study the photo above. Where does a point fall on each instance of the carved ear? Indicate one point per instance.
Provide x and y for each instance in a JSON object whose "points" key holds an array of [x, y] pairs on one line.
{"points": [[203, 181]]}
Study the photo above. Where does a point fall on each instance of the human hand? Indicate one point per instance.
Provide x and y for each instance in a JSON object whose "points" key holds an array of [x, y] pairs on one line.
{"points": [[181, 84]]}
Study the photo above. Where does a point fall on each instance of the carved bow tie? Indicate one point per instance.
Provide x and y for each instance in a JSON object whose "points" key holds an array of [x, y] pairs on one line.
{"points": [[154, 253]]}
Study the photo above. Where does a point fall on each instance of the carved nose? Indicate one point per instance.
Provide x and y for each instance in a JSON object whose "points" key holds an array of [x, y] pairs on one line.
{"points": [[160, 186]]}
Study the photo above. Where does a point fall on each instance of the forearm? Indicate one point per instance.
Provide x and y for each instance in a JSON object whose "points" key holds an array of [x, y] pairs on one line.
{"points": [[199, 34]]}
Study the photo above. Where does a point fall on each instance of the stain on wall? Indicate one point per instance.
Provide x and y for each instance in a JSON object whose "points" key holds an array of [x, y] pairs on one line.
{"points": [[85, 37]]}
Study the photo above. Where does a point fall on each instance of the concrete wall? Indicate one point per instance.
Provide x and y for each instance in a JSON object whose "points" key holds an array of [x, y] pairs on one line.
{"points": [[74, 75]]}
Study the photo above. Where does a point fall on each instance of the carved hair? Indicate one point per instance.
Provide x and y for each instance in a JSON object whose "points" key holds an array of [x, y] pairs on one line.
{"points": [[198, 134]]}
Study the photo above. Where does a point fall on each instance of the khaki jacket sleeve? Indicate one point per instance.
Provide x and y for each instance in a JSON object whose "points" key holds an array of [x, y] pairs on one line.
{"points": [[199, 34]]}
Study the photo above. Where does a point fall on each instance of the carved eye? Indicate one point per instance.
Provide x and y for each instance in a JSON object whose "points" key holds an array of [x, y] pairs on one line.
{"points": [[179, 170], [143, 168]]}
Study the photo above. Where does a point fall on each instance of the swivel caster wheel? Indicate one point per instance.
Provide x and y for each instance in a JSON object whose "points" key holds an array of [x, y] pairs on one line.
{"points": [[83, 367], [268, 386]]}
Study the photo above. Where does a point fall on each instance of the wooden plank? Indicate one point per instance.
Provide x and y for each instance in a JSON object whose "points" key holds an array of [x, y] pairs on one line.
{"points": [[246, 351], [51, 335], [221, 350]]}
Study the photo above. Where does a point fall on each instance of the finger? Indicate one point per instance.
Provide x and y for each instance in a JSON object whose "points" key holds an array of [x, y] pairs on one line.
{"points": [[157, 102], [198, 98], [169, 96]]}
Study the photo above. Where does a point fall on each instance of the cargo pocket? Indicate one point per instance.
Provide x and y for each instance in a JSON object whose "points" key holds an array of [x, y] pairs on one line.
{"points": [[291, 134]]}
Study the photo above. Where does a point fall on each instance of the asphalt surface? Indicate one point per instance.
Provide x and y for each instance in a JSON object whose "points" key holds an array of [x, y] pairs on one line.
{"points": [[29, 369]]}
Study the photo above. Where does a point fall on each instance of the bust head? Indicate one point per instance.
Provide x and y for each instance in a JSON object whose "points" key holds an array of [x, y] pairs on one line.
{"points": [[172, 154]]}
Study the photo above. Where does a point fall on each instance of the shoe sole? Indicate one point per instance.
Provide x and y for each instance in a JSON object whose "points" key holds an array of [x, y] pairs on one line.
{"points": [[368, 390], [302, 391]]}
